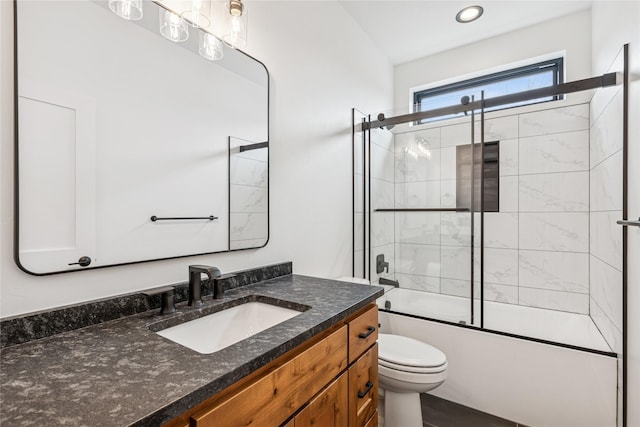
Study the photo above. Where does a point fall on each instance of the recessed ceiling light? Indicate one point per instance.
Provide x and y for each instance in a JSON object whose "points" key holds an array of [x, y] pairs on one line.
{"points": [[469, 14]]}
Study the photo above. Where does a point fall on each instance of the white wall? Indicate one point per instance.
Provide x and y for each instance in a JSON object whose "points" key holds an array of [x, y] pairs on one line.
{"points": [[570, 33], [317, 75], [614, 24]]}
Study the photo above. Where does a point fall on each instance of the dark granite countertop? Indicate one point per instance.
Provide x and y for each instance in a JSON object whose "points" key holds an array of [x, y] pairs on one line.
{"points": [[120, 373]]}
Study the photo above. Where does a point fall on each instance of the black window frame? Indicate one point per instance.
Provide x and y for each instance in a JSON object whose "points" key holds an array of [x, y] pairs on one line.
{"points": [[556, 64]]}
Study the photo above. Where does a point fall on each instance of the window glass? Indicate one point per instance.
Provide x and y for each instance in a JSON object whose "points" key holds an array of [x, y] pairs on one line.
{"points": [[507, 82]]}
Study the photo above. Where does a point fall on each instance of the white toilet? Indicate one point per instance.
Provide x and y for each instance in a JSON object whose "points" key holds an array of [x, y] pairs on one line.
{"points": [[406, 368]]}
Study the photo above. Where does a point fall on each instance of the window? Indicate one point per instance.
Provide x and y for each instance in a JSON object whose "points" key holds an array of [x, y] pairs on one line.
{"points": [[535, 76]]}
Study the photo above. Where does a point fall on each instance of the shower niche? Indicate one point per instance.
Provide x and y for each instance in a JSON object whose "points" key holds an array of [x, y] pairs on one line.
{"points": [[467, 163]]}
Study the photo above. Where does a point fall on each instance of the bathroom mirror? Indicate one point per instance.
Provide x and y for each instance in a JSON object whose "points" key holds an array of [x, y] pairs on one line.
{"points": [[122, 142]]}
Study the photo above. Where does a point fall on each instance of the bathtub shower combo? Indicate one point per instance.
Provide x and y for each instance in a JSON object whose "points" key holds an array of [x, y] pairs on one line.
{"points": [[494, 233]]}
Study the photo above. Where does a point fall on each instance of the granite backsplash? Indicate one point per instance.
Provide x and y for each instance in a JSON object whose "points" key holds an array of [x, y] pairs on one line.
{"points": [[24, 328]]}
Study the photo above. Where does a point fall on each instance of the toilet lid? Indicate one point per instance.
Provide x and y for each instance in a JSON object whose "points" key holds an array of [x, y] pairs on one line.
{"points": [[405, 351]]}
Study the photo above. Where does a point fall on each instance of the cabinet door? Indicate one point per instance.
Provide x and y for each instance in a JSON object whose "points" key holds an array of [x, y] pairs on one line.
{"points": [[327, 409], [363, 388]]}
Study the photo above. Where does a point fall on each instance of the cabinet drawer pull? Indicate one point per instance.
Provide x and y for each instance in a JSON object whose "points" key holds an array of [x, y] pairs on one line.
{"points": [[366, 391], [364, 335]]}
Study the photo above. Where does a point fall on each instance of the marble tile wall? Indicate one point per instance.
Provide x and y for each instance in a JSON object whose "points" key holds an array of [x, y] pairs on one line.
{"points": [[553, 244], [554, 208], [605, 196], [422, 180], [537, 245]]}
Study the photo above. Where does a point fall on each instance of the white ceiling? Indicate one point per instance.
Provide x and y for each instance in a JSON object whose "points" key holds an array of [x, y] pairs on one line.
{"points": [[407, 30]]}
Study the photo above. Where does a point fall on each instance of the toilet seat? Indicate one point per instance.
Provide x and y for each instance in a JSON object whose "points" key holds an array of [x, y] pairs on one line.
{"points": [[409, 355], [412, 369]]}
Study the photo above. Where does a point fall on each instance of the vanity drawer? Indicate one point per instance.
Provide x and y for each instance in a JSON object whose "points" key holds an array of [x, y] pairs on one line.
{"points": [[274, 397], [363, 332], [363, 388]]}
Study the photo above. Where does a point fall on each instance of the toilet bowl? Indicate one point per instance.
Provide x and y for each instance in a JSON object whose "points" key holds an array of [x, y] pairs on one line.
{"points": [[406, 368]]}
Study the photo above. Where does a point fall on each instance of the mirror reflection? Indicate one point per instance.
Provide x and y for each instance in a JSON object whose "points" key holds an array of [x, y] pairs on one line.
{"points": [[248, 194], [119, 125]]}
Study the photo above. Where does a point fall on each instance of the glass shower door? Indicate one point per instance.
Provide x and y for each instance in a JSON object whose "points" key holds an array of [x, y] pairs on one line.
{"points": [[420, 179]]}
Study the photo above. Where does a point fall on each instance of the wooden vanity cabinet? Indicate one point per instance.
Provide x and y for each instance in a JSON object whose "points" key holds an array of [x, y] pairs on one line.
{"points": [[329, 381], [329, 408]]}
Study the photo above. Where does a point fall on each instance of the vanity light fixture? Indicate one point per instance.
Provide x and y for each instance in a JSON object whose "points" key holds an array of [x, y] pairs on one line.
{"points": [[469, 14], [236, 34], [236, 7], [198, 14], [210, 47], [173, 27], [131, 10]]}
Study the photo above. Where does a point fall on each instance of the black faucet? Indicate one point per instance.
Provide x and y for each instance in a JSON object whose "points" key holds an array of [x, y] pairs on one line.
{"points": [[168, 304], [195, 284]]}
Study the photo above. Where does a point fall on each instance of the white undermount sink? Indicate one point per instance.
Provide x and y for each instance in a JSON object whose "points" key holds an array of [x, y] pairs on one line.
{"points": [[216, 331]]}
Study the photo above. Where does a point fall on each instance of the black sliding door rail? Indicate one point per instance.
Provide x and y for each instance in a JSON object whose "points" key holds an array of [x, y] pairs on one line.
{"points": [[610, 79], [423, 210], [155, 218]]}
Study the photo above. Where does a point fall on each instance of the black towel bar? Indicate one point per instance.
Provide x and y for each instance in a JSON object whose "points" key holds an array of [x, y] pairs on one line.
{"points": [[210, 218]]}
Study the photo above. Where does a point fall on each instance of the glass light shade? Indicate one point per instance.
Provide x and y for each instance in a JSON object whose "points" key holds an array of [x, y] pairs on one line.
{"points": [[198, 15], [210, 47], [236, 33], [130, 10], [173, 27]]}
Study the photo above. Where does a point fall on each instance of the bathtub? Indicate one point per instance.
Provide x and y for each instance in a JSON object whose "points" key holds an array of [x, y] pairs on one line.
{"points": [[549, 325], [527, 381]]}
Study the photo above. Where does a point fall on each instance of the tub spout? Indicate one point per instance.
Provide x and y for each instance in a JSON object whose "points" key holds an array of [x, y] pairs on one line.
{"points": [[394, 283]]}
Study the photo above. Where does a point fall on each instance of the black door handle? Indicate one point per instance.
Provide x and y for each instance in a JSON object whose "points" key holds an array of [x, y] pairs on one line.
{"points": [[82, 262], [366, 391], [364, 335]]}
